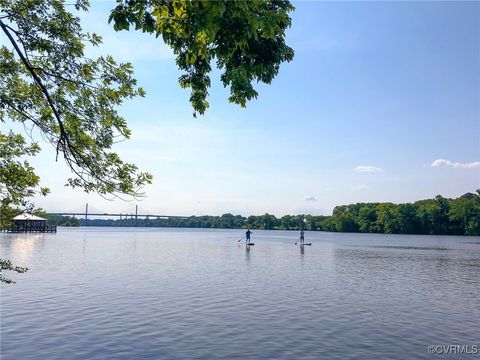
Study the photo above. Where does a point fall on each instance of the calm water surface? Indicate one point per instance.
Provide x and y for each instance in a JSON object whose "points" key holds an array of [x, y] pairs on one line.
{"points": [[112, 293]]}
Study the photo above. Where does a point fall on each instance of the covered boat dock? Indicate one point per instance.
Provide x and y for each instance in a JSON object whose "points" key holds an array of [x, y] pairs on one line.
{"points": [[26, 222]]}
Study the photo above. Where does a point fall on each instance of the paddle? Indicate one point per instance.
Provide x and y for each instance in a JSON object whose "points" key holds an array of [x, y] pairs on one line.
{"points": [[240, 239], [297, 241]]}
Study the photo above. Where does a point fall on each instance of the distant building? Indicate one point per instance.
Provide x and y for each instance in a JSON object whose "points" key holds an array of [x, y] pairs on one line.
{"points": [[31, 223]]}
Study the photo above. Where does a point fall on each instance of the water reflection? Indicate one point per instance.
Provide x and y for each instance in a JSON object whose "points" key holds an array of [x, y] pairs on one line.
{"points": [[22, 247], [180, 294], [247, 254]]}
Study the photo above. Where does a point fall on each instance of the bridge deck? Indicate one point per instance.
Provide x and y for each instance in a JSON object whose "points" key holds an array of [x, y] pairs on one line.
{"points": [[118, 215]]}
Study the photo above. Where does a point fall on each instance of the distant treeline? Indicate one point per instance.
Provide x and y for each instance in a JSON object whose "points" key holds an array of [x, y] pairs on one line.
{"points": [[61, 220], [440, 216]]}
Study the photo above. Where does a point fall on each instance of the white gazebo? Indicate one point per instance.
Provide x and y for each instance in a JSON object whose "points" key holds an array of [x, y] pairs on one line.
{"points": [[29, 223]]}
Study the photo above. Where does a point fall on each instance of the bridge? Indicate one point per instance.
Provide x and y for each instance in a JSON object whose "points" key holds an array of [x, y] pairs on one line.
{"points": [[135, 216]]}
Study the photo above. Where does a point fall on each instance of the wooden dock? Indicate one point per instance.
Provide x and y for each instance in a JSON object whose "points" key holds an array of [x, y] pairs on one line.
{"points": [[31, 229]]}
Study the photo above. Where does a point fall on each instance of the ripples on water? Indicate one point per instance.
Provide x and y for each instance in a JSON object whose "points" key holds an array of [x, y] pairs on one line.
{"points": [[95, 293]]}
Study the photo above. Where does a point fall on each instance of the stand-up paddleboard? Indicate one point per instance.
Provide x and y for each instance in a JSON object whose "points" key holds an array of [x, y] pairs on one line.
{"points": [[309, 244], [248, 244]]}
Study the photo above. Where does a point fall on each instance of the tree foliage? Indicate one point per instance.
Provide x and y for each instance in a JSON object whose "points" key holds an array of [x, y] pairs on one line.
{"points": [[245, 38], [47, 82], [7, 265], [18, 180], [60, 220], [438, 216]]}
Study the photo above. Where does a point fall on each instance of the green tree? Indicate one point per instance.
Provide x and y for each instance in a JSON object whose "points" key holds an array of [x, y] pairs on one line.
{"points": [[344, 219], [367, 218], [7, 213], [432, 215], [239, 221], [245, 38], [311, 223], [18, 180], [267, 221], [253, 222], [287, 222], [226, 221], [328, 223], [387, 219], [8, 266], [464, 215], [62, 220], [407, 219], [47, 82]]}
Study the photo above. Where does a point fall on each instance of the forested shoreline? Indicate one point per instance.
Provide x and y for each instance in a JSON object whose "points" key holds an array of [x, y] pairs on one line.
{"points": [[440, 216]]}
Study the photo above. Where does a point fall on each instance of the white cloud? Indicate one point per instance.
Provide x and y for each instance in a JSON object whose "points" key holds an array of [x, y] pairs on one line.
{"points": [[310, 198], [360, 187], [368, 169], [450, 164]]}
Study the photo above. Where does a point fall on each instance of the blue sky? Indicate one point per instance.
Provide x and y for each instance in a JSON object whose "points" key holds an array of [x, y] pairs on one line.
{"points": [[376, 93]]}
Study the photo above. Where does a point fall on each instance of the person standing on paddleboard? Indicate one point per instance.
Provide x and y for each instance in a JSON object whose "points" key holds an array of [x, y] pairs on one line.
{"points": [[302, 236], [247, 236]]}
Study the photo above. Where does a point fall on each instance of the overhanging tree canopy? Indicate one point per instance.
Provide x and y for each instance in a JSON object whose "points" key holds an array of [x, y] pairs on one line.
{"points": [[245, 38], [46, 80]]}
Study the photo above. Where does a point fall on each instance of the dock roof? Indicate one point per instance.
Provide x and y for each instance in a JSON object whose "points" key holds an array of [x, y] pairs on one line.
{"points": [[27, 216]]}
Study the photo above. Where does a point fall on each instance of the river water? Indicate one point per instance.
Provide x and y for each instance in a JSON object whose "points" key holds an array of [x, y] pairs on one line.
{"points": [[119, 293]]}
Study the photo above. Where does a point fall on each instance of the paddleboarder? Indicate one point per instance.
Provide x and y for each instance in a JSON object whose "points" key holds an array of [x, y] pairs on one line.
{"points": [[247, 236], [302, 236]]}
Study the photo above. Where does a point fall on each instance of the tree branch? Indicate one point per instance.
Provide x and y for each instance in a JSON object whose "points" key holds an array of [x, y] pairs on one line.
{"points": [[64, 140], [63, 133]]}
